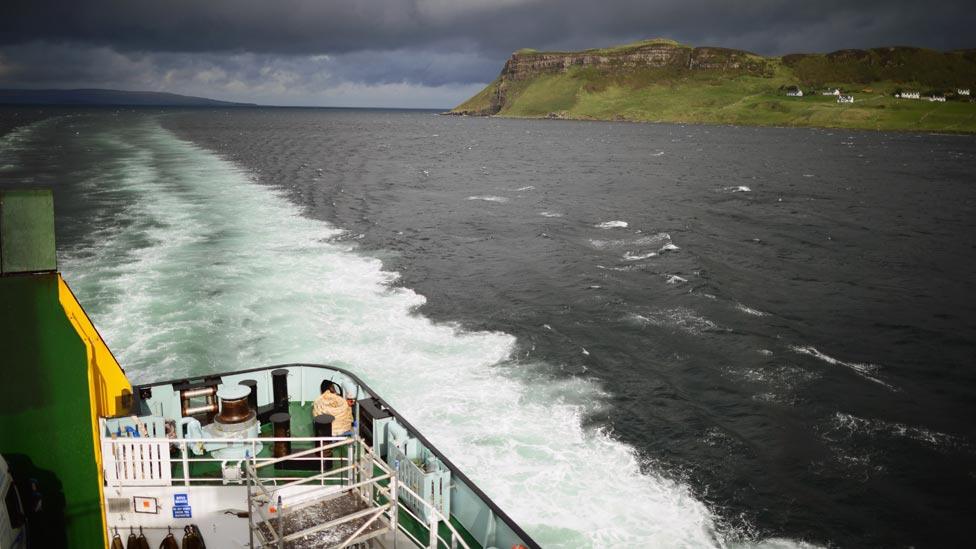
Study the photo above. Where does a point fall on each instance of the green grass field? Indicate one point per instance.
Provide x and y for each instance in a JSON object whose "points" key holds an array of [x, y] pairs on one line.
{"points": [[716, 97]]}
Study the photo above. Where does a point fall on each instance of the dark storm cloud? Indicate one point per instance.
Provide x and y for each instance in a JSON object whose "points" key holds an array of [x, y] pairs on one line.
{"points": [[239, 46], [315, 26]]}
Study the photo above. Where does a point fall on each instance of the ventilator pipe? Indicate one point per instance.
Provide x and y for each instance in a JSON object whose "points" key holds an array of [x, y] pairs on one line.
{"points": [[279, 387], [282, 429], [322, 425]]}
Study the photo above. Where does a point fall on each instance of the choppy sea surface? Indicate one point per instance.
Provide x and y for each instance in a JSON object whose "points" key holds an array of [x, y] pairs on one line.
{"points": [[630, 335]]}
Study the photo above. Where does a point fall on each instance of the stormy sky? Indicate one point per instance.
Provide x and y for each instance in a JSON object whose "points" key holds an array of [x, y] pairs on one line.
{"points": [[409, 53]]}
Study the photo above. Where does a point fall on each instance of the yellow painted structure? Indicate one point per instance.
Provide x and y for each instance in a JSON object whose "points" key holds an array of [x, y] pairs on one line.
{"points": [[109, 390]]}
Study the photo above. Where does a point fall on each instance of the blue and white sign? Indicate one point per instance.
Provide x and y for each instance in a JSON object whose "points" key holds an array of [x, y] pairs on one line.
{"points": [[181, 506]]}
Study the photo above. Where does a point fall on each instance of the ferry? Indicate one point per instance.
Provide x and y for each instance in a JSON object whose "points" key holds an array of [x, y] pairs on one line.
{"points": [[285, 456]]}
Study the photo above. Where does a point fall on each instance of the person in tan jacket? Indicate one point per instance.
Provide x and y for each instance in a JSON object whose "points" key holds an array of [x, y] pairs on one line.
{"points": [[336, 406]]}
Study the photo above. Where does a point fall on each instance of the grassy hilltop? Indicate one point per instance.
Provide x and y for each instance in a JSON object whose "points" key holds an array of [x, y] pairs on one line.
{"points": [[663, 81]]}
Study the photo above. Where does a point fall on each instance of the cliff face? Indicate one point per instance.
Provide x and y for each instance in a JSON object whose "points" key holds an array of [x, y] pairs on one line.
{"points": [[663, 81], [525, 65]]}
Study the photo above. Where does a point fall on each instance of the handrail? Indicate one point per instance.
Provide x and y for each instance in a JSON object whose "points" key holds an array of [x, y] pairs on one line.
{"points": [[279, 538], [234, 440], [321, 476], [440, 516], [367, 459], [413, 431], [186, 461], [305, 453]]}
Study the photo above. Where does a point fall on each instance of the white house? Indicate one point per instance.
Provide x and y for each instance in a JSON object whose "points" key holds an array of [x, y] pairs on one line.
{"points": [[835, 91], [845, 98], [909, 95], [939, 98], [795, 93], [962, 91]]}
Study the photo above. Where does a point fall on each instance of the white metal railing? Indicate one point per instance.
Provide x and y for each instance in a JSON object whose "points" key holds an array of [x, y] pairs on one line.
{"points": [[433, 484], [147, 461], [435, 515], [369, 488], [356, 479], [136, 462]]}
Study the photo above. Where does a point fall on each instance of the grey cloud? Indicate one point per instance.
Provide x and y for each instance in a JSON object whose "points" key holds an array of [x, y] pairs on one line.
{"points": [[433, 68], [429, 79], [288, 51], [495, 27]]}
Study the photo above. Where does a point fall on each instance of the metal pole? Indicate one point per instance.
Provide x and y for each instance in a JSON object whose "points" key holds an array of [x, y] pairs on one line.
{"points": [[186, 465], [394, 508], [356, 457], [251, 480], [433, 530], [250, 510], [281, 526]]}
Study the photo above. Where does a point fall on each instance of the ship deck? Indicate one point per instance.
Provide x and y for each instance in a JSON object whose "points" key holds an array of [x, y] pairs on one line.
{"points": [[301, 426]]}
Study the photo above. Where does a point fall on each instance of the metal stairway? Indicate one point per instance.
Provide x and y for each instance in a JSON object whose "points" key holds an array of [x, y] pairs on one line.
{"points": [[349, 506]]}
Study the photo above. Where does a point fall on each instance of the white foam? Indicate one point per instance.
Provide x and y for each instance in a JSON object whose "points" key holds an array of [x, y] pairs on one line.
{"points": [[526, 188], [681, 318], [550, 214], [641, 242], [205, 270], [489, 198], [617, 224], [861, 369], [749, 310], [637, 256], [739, 189], [852, 425]]}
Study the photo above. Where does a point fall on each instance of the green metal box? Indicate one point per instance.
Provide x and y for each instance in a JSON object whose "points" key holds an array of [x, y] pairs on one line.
{"points": [[27, 231]]}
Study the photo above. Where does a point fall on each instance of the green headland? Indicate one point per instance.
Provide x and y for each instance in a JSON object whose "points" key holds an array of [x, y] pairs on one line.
{"points": [[661, 80]]}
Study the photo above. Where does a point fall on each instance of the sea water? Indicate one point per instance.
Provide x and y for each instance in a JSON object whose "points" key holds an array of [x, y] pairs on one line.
{"points": [[623, 349]]}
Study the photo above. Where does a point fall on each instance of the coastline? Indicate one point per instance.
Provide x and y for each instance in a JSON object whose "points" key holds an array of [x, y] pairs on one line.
{"points": [[678, 122]]}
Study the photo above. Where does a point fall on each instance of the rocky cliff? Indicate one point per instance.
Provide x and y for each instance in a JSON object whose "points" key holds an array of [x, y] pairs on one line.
{"points": [[524, 65], [664, 81], [651, 54]]}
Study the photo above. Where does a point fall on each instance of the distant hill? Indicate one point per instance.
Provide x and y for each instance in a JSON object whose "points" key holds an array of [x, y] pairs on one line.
{"points": [[663, 80], [95, 97]]}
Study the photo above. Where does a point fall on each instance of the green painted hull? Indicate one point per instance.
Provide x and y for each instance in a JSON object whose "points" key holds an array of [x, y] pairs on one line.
{"points": [[45, 423]]}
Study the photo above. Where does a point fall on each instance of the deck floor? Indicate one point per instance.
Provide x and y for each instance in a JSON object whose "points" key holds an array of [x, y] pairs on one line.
{"points": [[301, 426], [320, 513]]}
